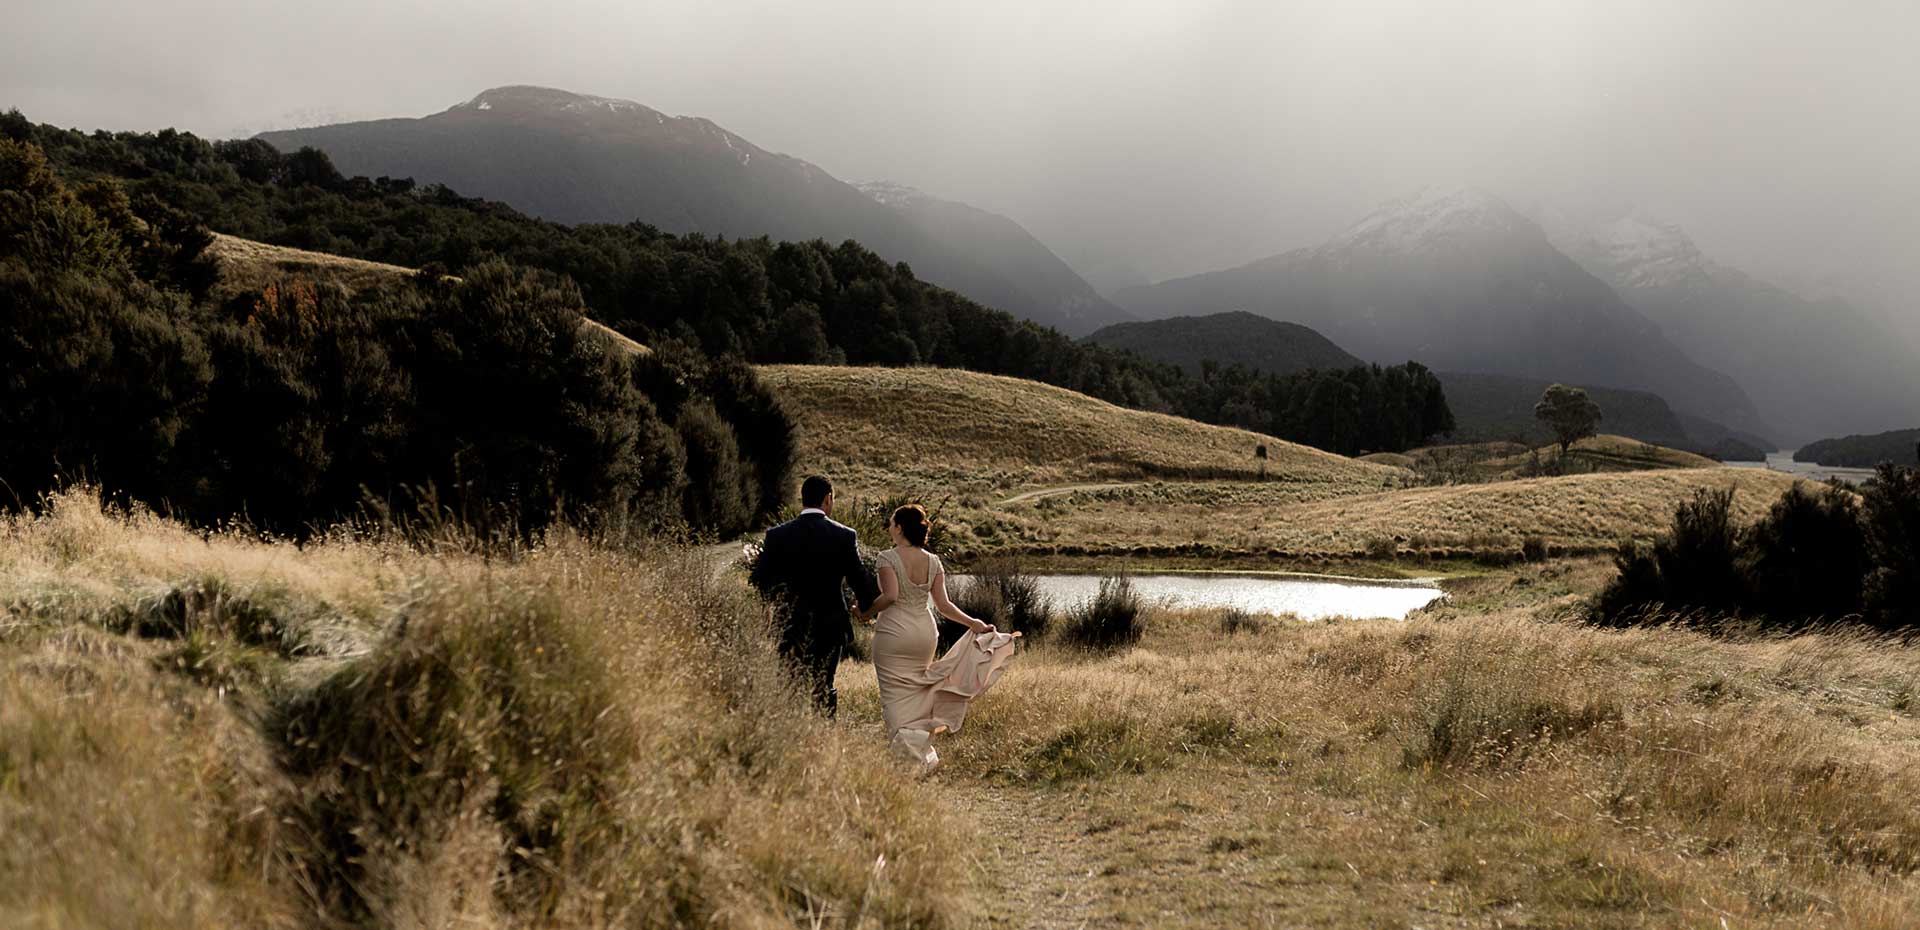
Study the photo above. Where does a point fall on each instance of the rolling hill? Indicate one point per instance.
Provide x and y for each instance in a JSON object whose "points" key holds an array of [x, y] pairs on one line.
{"points": [[969, 433], [1462, 282], [575, 158], [1234, 338]]}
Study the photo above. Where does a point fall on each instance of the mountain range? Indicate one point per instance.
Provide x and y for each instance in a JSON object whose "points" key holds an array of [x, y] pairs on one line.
{"points": [[1460, 281], [1813, 368], [574, 158], [1233, 338]]}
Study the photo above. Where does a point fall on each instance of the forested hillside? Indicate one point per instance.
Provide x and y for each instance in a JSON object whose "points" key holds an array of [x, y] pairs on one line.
{"points": [[1901, 447], [754, 299]]}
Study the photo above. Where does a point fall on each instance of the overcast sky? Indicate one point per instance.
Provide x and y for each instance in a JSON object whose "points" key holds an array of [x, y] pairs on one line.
{"points": [[1167, 137]]}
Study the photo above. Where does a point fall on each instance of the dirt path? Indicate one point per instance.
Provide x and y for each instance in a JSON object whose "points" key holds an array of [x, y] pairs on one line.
{"points": [[1041, 864], [1066, 489]]}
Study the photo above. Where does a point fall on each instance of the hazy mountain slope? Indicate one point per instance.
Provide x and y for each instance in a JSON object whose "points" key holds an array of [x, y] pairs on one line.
{"points": [[999, 243], [1236, 338], [575, 158], [1812, 368], [1489, 407], [1462, 282]]}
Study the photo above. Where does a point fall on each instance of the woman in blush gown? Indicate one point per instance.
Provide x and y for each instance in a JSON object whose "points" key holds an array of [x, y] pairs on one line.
{"points": [[922, 696]]}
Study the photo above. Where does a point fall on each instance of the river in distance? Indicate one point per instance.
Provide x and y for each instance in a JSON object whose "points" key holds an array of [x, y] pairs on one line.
{"points": [[1307, 598], [1783, 461]]}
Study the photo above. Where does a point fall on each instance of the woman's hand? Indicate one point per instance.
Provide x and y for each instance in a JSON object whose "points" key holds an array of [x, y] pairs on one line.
{"points": [[984, 628]]}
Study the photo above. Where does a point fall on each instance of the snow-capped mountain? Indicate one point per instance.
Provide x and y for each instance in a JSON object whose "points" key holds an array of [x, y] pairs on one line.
{"points": [[1814, 368], [577, 158], [1459, 280]]}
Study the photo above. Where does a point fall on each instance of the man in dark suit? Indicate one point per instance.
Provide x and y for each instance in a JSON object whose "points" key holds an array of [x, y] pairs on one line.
{"points": [[801, 566]]}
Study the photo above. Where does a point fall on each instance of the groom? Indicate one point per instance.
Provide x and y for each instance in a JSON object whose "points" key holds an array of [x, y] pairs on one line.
{"points": [[801, 566]]}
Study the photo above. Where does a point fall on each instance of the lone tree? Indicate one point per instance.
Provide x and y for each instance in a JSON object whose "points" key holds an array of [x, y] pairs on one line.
{"points": [[1569, 412]]}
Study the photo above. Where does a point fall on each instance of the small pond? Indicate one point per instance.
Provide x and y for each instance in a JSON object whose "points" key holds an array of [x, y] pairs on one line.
{"points": [[1310, 598]]}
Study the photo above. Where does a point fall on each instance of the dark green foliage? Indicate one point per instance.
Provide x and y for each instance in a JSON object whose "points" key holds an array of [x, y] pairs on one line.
{"points": [[765, 301], [1114, 618], [1817, 556], [1569, 413], [1693, 567], [1807, 559], [483, 399], [723, 493], [1901, 447], [99, 378], [1892, 516]]}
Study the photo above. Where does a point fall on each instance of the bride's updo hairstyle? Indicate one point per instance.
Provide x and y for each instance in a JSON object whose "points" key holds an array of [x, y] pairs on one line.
{"points": [[913, 523]]}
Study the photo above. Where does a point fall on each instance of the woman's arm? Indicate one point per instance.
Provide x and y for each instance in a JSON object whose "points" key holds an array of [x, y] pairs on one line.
{"points": [[949, 611], [889, 589]]}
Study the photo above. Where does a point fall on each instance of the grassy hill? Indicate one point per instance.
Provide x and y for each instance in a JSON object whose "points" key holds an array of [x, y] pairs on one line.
{"points": [[1500, 461], [985, 434]]}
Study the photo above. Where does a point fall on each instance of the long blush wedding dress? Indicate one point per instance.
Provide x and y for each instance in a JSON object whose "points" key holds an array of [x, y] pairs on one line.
{"points": [[921, 695]]}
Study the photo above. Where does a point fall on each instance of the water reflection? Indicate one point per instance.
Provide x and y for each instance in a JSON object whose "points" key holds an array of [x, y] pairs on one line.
{"points": [[1783, 461], [1310, 599]]}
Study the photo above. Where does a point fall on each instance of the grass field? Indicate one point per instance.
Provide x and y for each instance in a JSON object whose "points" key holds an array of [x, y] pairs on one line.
{"points": [[217, 732], [965, 435], [1488, 764], [1018, 467]]}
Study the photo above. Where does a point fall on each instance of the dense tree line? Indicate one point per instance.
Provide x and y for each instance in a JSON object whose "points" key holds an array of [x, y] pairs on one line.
{"points": [[1364, 408], [302, 404], [1901, 447], [1825, 555], [766, 302]]}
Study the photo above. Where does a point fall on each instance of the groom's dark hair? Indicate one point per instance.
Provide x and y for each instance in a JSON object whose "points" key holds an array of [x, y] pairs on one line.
{"points": [[814, 490]]}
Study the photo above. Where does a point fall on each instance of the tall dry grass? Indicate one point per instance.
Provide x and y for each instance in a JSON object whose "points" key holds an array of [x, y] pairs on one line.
{"points": [[1494, 753], [562, 736]]}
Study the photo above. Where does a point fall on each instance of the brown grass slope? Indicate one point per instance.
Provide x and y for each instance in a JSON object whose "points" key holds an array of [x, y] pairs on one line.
{"points": [[212, 731], [976, 433], [247, 266]]}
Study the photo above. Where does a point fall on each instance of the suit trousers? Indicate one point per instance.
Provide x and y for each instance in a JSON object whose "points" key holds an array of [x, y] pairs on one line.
{"points": [[814, 665]]}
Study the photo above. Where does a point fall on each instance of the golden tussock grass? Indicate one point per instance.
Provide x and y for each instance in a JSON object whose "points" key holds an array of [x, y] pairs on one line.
{"points": [[978, 434], [562, 736]]}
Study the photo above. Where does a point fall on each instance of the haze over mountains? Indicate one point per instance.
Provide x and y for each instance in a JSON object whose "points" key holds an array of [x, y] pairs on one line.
{"points": [[1814, 369], [575, 158], [1460, 281]]}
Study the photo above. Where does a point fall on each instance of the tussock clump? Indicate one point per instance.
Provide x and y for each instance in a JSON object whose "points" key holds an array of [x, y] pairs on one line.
{"points": [[1114, 618], [1235, 620], [1468, 725], [1000, 593]]}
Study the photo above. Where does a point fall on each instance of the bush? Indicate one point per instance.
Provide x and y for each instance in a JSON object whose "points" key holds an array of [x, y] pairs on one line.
{"points": [[1003, 595], [1694, 566], [1807, 558], [1235, 620], [1114, 618], [1892, 520]]}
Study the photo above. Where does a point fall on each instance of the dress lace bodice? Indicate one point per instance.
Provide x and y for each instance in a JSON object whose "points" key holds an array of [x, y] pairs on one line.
{"points": [[917, 598]]}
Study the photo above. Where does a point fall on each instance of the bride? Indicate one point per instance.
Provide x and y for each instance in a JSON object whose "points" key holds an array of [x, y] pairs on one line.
{"points": [[921, 696]]}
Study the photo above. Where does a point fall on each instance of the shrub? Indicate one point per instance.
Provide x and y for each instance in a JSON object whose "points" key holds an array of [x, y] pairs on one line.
{"points": [[1695, 565], [1807, 558], [1892, 519], [1115, 617], [1006, 597], [1533, 549]]}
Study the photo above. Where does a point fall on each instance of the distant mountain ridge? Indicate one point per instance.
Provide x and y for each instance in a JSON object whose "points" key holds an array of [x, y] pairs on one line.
{"points": [[1461, 281], [1901, 447], [1813, 368], [1232, 338], [576, 158]]}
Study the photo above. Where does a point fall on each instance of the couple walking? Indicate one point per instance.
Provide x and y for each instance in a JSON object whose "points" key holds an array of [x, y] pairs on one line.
{"points": [[802, 565]]}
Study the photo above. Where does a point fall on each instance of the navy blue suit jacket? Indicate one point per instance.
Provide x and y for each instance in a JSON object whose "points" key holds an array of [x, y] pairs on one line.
{"points": [[802, 565]]}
